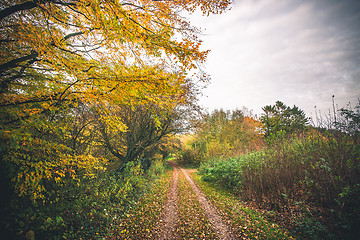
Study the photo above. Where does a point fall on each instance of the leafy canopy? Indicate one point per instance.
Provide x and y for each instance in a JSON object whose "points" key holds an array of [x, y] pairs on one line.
{"points": [[57, 54], [112, 51]]}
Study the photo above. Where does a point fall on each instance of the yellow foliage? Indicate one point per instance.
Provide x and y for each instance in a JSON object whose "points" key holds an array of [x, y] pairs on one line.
{"points": [[47, 163], [56, 54], [100, 51]]}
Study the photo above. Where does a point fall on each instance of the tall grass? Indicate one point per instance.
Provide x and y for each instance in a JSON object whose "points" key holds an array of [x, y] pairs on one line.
{"points": [[313, 174]]}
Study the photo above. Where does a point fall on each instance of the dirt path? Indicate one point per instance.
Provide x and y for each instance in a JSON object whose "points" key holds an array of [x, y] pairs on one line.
{"points": [[170, 219], [222, 230], [168, 222]]}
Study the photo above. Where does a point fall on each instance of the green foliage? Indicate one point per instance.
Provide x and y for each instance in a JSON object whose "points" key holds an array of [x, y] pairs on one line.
{"points": [[226, 173], [189, 157], [83, 209], [280, 117], [316, 171], [349, 122], [222, 134], [157, 168], [246, 221], [308, 226]]}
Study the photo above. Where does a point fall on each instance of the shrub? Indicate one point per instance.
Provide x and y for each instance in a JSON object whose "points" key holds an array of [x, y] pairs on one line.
{"points": [[190, 157], [79, 209], [156, 168], [319, 171]]}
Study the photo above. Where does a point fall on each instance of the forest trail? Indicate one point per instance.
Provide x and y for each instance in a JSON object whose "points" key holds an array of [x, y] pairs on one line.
{"points": [[221, 229], [170, 216]]}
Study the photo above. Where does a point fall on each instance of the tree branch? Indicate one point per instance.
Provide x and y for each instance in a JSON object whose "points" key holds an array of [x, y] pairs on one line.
{"points": [[43, 99], [27, 6], [14, 63], [16, 8], [108, 144]]}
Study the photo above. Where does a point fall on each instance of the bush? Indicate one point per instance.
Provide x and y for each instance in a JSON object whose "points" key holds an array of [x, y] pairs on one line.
{"points": [[156, 168], [189, 157], [84, 209], [226, 173], [321, 172]]}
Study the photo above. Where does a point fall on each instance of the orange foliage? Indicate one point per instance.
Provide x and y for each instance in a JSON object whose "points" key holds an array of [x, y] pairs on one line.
{"points": [[55, 54]]}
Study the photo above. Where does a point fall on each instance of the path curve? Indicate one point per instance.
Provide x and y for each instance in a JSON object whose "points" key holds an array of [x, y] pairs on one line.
{"points": [[222, 230]]}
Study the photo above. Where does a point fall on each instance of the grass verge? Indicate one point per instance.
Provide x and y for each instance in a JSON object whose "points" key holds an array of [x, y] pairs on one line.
{"points": [[140, 221], [246, 223]]}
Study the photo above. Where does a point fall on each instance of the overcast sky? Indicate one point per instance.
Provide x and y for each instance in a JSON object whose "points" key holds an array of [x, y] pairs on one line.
{"points": [[297, 51]]}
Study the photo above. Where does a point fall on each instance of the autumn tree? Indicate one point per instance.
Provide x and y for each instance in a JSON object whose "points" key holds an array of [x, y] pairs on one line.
{"points": [[226, 133], [145, 129], [112, 50], [58, 54]]}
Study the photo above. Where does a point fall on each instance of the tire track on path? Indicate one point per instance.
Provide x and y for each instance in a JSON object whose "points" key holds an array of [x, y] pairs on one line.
{"points": [[169, 220], [222, 230]]}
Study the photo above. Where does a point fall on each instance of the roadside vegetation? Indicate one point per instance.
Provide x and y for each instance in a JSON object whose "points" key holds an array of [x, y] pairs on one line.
{"points": [[106, 206], [92, 95], [140, 220], [93, 98], [247, 222], [307, 178]]}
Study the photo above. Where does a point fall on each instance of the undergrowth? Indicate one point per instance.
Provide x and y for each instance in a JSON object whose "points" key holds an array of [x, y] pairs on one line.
{"points": [[139, 222], [88, 209], [245, 222], [313, 179]]}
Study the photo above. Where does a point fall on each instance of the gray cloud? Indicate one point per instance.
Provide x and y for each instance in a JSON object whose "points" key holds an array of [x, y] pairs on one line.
{"points": [[299, 52]]}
